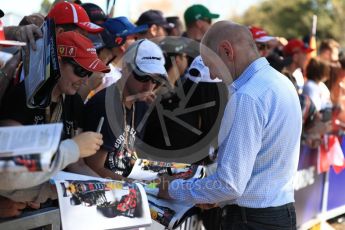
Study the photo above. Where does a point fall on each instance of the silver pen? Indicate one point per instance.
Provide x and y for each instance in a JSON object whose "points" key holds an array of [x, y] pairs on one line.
{"points": [[100, 124]]}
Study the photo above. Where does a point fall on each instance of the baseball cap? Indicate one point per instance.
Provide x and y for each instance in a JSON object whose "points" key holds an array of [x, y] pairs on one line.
{"points": [[259, 34], [5, 42], [176, 45], [103, 40], [1, 13], [199, 72], [74, 45], [145, 58], [294, 46], [122, 27], [70, 13], [97, 41], [198, 12], [151, 17], [95, 13]]}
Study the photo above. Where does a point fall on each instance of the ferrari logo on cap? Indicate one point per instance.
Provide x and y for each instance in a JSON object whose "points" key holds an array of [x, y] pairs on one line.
{"points": [[61, 50], [67, 51]]}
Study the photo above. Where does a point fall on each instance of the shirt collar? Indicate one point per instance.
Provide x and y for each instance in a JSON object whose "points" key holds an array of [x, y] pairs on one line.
{"points": [[248, 73]]}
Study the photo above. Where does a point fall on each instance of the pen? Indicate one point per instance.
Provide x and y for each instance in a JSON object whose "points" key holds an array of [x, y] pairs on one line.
{"points": [[100, 124]]}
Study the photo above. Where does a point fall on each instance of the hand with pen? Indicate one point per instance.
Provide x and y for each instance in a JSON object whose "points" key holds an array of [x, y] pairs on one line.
{"points": [[88, 142]]}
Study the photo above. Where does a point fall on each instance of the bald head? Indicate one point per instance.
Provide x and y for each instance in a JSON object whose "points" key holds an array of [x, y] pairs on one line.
{"points": [[233, 43], [237, 34]]}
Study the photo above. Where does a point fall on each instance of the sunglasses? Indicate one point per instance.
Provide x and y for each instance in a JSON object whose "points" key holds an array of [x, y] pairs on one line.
{"points": [[78, 70], [146, 78]]}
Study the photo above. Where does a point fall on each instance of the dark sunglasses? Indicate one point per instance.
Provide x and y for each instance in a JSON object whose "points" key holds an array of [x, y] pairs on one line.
{"points": [[78, 70], [146, 78]]}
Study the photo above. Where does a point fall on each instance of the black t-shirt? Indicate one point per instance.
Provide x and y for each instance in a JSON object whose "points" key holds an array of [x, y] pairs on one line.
{"points": [[14, 107], [204, 120], [108, 104]]}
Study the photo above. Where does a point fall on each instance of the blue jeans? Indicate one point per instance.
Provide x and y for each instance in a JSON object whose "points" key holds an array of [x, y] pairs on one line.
{"points": [[235, 217]]}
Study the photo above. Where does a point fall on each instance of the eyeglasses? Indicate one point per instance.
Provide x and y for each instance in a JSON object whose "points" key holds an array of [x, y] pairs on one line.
{"points": [[146, 78], [78, 70], [262, 46]]}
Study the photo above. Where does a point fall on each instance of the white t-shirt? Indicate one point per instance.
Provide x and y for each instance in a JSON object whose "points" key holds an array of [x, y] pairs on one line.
{"points": [[110, 78], [318, 93], [113, 76]]}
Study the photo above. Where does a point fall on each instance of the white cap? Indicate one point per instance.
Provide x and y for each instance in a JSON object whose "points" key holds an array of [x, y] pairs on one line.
{"points": [[146, 58], [202, 73]]}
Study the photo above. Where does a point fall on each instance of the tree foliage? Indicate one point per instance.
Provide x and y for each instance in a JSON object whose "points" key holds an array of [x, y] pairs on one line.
{"points": [[293, 19], [45, 7]]}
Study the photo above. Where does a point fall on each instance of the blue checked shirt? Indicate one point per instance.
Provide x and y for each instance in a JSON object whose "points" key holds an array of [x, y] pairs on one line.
{"points": [[260, 141]]}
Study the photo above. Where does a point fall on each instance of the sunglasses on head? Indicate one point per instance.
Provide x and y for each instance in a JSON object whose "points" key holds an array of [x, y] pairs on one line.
{"points": [[78, 70], [145, 79]]}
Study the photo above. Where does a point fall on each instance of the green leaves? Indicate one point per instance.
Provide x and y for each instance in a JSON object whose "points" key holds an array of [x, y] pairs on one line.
{"points": [[293, 19]]}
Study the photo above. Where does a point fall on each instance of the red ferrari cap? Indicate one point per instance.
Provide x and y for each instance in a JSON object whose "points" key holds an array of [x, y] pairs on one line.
{"points": [[74, 45], [70, 13]]}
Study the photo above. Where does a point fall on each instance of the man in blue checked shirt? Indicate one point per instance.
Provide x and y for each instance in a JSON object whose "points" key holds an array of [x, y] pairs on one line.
{"points": [[259, 138]]}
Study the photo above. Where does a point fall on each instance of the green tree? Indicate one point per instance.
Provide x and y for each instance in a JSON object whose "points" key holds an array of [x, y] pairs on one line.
{"points": [[293, 19], [45, 7]]}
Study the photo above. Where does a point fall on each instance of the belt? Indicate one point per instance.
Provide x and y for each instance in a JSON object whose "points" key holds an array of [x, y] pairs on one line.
{"points": [[243, 211]]}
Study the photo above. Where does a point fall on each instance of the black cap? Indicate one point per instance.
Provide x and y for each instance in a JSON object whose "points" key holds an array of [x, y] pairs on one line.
{"points": [[174, 20], [97, 41], [103, 40], [151, 17], [1, 14], [95, 13]]}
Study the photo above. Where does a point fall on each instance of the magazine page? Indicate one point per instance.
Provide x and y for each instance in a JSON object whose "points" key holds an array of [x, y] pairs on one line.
{"points": [[150, 170], [106, 204], [26, 163], [170, 213], [28, 148], [36, 71], [29, 139], [74, 176], [43, 71]]}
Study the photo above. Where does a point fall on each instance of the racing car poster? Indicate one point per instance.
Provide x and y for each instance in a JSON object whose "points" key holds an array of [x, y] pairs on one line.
{"points": [[99, 204]]}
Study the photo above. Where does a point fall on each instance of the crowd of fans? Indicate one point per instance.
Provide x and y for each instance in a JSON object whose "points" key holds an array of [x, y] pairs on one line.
{"points": [[138, 65]]}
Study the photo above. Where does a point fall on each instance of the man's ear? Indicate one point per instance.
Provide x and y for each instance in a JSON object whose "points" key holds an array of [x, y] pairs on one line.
{"points": [[226, 50], [153, 30]]}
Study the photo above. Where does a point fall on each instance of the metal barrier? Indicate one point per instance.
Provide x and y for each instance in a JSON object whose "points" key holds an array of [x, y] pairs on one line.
{"points": [[47, 218]]}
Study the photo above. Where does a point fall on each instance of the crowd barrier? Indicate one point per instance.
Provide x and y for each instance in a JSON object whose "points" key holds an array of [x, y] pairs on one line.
{"points": [[47, 219], [318, 196]]}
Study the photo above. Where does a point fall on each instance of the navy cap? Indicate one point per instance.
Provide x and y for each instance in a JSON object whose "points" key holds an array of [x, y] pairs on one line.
{"points": [[151, 17], [95, 13], [122, 27], [109, 39], [1, 14], [103, 40], [97, 41]]}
